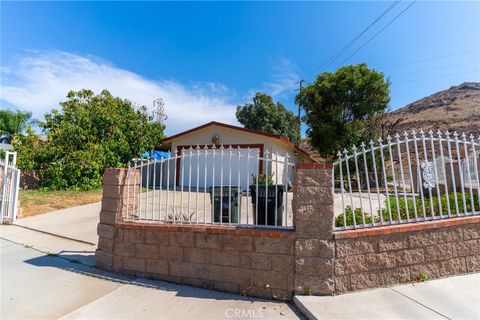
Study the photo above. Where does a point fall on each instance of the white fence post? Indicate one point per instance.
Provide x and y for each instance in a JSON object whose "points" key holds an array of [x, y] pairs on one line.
{"points": [[10, 187]]}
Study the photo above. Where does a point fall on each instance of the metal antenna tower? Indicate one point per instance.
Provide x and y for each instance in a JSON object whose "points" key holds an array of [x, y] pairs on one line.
{"points": [[159, 111]]}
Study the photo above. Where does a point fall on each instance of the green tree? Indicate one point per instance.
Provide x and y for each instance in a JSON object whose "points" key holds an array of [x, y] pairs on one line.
{"points": [[13, 122], [30, 149], [264, 115], [89, 133], [344, 108]]}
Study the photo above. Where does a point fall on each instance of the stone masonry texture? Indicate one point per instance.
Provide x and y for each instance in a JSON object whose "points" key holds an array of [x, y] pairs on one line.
{"points": [[314, 245], [261, 267], [384, 260], [276, 264]]}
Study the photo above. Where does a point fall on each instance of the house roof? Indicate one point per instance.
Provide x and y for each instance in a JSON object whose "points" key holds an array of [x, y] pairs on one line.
{"points": [[306, 146], [229, 126]]}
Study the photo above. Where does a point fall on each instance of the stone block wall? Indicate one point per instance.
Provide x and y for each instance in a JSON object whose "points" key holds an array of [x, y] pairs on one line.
{"points": [[251, 263], [371, 259], [247, 261], [312, 258]]}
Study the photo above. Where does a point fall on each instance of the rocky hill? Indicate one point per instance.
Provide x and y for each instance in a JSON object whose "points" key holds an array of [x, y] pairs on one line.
{"points": [[457, 108]]}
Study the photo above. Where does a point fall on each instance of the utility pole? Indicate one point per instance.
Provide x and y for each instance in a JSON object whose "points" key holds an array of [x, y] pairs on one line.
{"points": [[300, 86]]}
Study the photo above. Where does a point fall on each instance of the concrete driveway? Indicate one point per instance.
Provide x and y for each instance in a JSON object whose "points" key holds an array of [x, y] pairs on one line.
{"points": [[47, 272]]}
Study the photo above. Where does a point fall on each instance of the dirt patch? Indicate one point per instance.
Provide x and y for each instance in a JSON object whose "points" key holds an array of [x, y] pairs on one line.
{"points": [[34, 202]]}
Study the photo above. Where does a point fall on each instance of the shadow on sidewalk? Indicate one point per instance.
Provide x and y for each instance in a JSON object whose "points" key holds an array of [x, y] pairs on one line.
{"points": [[74, 261]]}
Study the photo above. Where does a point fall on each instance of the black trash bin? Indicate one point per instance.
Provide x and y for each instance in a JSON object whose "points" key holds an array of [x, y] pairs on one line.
{"points": [[220, 199], [270, 199]]}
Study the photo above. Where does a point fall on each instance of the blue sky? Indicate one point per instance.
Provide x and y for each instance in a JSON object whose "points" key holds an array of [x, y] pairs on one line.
{"points": [[205, 58]]}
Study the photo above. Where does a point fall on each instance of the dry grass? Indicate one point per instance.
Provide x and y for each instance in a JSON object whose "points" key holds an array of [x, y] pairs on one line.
{"points": [[34, 202]]}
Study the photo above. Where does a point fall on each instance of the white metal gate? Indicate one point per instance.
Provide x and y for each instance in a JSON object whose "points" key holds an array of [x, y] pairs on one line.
{"points": [[9, 184], [212, 185]]}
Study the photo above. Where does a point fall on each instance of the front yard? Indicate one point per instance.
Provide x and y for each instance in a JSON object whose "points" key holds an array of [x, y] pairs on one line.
{"points": [[34, 202]]}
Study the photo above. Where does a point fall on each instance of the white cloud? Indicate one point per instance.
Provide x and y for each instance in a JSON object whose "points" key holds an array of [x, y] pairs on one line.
{"points": [[39, 80], [283, 77]]}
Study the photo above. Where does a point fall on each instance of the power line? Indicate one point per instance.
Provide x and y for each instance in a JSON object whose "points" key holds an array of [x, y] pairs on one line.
{"points": [[341, 51], [427, 59], [376, 34], [434, 77], [351, 42], [438, 68]]}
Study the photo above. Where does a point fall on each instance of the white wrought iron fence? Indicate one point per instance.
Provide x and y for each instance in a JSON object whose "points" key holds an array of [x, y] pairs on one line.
{"points": [[9, 184], [212, 185], [409, 178]]}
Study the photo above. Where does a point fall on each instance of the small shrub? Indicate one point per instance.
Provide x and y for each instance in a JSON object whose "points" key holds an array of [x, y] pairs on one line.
{"points": [[263, 179], [398, 208], [430, 205], [180, 214], [423, 277], [340, 221], [306, 289]]}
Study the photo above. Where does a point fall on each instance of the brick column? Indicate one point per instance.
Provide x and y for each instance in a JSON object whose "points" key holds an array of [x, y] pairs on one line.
{"points": [[114, 201], [314, 218]]}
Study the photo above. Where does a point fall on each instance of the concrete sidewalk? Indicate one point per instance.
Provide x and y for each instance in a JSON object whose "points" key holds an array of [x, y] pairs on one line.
{"points": [[40, 286], [79, 223], [449, 298]]}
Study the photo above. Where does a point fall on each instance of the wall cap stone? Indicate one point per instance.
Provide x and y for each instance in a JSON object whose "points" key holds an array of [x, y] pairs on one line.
{"points": [[418, 226], [229, 230]]}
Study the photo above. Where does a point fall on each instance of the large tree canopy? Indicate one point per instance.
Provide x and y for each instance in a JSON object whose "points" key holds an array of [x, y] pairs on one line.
{"points": [[344, 108], [89, 133], [264, 115]]}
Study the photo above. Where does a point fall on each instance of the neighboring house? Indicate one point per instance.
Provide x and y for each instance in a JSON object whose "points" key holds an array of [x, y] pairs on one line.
{"points": [[6, 146], [252, 144], [5, 142]]}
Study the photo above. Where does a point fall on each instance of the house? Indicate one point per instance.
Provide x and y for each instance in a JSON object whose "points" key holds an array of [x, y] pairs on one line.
{"points": [[5, 140], [248, 146]]}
